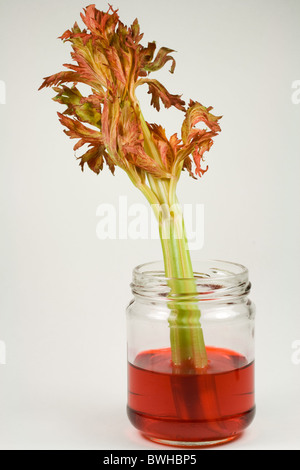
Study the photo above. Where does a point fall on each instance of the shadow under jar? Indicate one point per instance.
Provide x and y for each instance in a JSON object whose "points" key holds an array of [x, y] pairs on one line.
{"points": [[182, 405]]}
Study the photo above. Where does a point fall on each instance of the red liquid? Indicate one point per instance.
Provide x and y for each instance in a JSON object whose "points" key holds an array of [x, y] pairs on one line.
{"points": [[214, 405]]}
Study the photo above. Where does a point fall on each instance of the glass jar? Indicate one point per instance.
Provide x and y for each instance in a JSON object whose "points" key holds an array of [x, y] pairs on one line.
{"points": [[183, 406]]}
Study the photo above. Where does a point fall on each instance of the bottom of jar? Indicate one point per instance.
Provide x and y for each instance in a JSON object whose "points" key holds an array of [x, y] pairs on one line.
{"points": [[190, 445], [191, 433]]}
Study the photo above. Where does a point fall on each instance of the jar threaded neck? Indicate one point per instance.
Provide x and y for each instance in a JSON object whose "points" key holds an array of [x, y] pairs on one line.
{"points": [[213, 280]]}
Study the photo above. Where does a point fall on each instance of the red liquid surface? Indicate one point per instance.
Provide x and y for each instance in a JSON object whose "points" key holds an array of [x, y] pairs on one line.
{"points": [[167, 404]]}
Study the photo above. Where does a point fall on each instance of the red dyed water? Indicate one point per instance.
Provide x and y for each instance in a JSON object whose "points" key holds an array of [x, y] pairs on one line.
{"points": [[167, 404]]}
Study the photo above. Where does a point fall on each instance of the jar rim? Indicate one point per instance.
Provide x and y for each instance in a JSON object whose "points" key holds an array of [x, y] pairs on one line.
{"points": [[218, 269], [213, 279]]}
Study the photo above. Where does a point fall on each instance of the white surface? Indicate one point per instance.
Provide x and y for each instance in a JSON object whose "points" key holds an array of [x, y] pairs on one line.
{"points": [[64, 292]]}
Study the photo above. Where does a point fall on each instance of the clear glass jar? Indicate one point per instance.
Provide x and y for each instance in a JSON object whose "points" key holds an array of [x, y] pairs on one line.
{"points": [[185, 406]]}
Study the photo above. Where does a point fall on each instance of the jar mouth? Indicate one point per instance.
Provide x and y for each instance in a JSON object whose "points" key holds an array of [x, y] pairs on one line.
{"points": [[213, 279]]}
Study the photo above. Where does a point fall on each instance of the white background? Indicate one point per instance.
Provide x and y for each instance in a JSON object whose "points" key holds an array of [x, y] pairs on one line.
{"points": [[64, 292]]}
